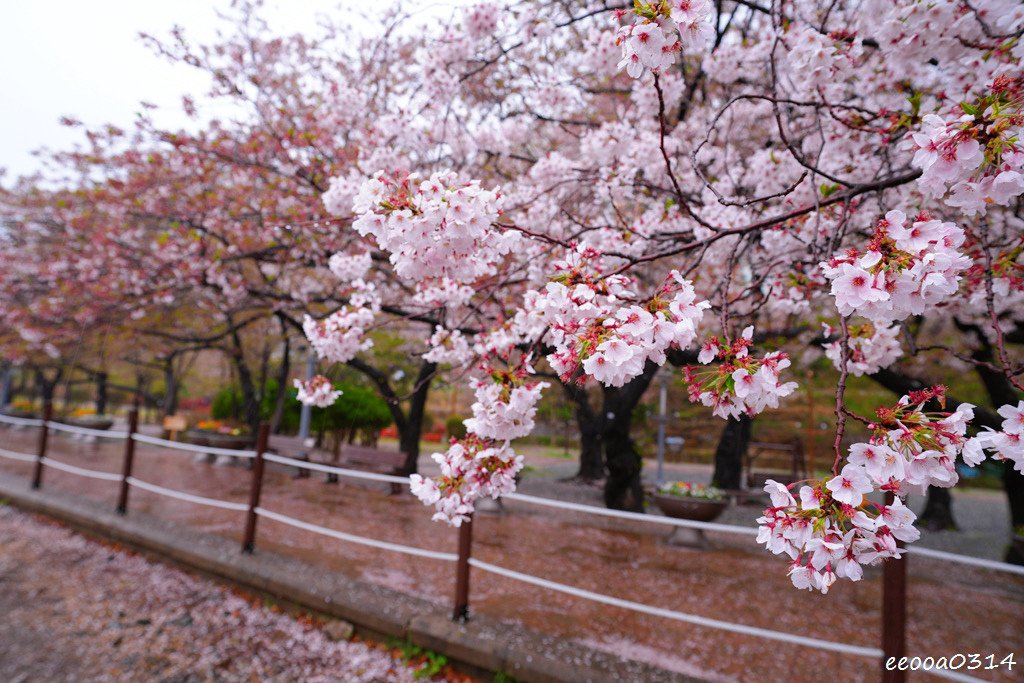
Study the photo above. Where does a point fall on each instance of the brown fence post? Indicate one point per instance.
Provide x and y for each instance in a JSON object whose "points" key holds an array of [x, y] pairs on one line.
{"points": [[461, 611], [44, 432], [894, 614], [249, 539], [129, 459]]}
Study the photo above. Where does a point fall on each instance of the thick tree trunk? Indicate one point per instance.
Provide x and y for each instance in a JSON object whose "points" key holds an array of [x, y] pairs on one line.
{"points": [[282, 385], [591, 430], [623, 488], [409, 437], [101, 393], [170, 403], [48, 387], [732, 446], [938, 510]]}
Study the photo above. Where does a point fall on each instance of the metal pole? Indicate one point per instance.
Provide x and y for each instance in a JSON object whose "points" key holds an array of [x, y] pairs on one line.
{"points": [[894, 614], [129, 459], [44, 431], [249, 539], [461, 611], [305, 415], [662, 419], [307, 410]]}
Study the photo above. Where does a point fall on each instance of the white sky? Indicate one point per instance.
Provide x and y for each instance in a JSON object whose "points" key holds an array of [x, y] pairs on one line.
{"points": [[83, 58]]}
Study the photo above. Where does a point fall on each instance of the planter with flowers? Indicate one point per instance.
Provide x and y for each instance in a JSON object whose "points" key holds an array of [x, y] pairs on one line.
{"points": [[687, 500], [218, 434], [87, 418]]}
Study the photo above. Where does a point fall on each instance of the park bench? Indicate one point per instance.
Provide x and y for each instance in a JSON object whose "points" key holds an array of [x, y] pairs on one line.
{"points": [[348, 456], [783, 462]]}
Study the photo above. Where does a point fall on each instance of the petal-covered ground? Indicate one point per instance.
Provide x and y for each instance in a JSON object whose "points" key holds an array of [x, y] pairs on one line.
{"points": [[72, 609]]}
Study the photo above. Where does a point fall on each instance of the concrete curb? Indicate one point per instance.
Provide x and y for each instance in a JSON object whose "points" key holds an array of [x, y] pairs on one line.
{"points": [[482, 643]]}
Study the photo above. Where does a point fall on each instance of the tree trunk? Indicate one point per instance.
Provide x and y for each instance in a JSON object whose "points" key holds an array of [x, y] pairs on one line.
{"points": [[591, 430], [409, 437], [170, 405], [48, 387], [623, 489], [101, 393], [282, 384], [732, 446], [938, 510]]}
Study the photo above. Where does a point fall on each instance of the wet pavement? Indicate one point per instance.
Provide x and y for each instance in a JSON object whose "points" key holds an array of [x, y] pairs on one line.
{"points": [[735, 582]]}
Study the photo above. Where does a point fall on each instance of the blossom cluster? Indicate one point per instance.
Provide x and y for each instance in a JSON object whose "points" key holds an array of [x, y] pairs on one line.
{"points": [[506, 404], [594, 326], [471, 469], [317, 391], [832, 531], [906, 270], [448, 346], [913, 448], [872, 347], [835, 528], [349, 267], [341, 335], [651, 42], [438, 227], [1006, 444], [740, 383], [976, 157]]}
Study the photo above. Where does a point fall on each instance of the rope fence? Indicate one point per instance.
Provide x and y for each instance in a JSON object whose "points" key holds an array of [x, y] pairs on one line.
{"points": [[352, 538], [697, 620], [86, 431], [13, 455], [21, 421], [893, 640], [330, 469], [181, 446], [80, 471], [191, 498]]}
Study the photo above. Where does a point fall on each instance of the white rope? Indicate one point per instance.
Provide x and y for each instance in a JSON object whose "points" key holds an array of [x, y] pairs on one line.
{"points": [[81, 471], [950, 675], [12, 455], [212, 450], [342, 536], [872, 652], [635, 516], [85, 431], [180, 495], [965, 559], [21, 421], [355, 474]]}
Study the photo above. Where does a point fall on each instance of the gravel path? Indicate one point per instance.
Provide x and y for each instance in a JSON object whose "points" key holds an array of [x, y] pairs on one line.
{"points": [[72, 609]]}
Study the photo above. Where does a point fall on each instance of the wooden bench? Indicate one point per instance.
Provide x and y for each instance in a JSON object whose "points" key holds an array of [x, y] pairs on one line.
{"points": [[342, 455], [793, 466]]}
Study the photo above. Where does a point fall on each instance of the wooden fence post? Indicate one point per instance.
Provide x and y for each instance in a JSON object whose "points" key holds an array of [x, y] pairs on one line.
{"points": [[44, 432], [894, 613], [249, 539], [461, 611], [129, 459]]}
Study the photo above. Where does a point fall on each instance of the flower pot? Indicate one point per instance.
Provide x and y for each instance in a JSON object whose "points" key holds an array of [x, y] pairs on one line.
{"points": [[697, 509], [234, 442]]}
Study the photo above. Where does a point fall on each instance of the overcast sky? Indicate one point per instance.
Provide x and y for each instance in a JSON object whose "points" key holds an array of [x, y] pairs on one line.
{"points": [[83, 58]]}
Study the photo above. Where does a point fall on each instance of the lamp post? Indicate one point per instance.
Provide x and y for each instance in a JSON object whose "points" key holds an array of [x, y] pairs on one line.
{"points": [[307, 410], [659, 479], [305, 414]]}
